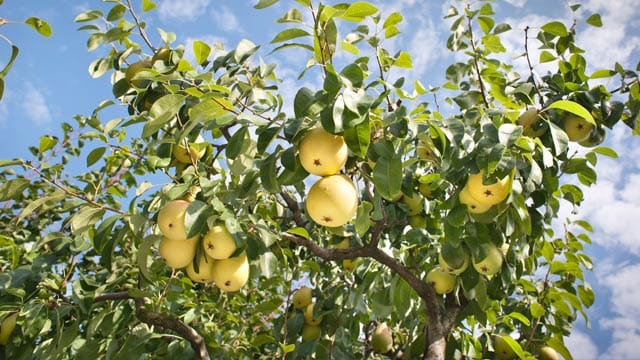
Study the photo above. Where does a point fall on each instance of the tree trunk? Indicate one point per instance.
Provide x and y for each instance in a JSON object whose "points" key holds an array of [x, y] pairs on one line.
{"points": [[440, 320], [436, 341]]}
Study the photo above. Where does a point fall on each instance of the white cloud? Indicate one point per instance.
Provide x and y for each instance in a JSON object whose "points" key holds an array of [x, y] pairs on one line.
{"points": [[517, 3], [624, 284], [225, 19], [182, 10], [35, 106], [581, 346]]}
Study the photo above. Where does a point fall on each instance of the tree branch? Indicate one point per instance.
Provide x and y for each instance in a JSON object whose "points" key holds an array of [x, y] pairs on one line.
{"points": [[476, 65], [526, 54]]}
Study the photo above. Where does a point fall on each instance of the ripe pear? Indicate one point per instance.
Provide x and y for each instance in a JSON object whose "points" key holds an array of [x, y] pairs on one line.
{"points": [[171, 219], [311, 332], [473, 205], [489, 194], [218, 243], [457, 268], [195, 152], [332, 201], [231, 274], [415, 203], [442, 281], [425, 152], [529, 120], [492, 263], [381, 339], [178, 253], [322, 153], [205, 270], [6, 328], [502, 349], [309, 319], [577, 128], [547, 353], [302, 297]]}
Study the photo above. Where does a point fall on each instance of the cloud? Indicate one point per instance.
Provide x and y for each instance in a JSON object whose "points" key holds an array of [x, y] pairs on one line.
{"points": [[225, 19], [182, 10], [581, 346], [624, 326], [517, 3], [35, 105]]}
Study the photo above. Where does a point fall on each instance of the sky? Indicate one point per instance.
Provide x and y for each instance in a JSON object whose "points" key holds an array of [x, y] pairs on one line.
{"points": [[49, 84]]}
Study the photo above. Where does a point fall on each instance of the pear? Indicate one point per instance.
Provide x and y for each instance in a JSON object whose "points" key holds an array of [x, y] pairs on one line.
{"points": [[492, 263], [322, 153], [547, 353], [381, 339], [415, 203], [311, 332], [205, 270], [302, 297], [473, 205], [462, 264], [332, 201], [231, 274], [309, 319], [442, 281], [178, 253], [6, 328], [502, 349], [171, 219], [195, 151], [577, 128], [488, 194], [218, 243]]}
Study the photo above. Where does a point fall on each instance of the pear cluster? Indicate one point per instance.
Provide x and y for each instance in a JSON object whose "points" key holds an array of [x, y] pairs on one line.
{"points": [[480, 197], [333, 200], [302, 300], [215, 263]]}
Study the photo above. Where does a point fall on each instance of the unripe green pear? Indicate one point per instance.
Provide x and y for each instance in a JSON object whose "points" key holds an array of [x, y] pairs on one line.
{"points": [[488, 194], [309, 319], [332, 201], [577, 128], [547, 353], [415, 203], [178, 253], [382, 339], [302, 297], [205, 270], [502, 349], [311, 332]]}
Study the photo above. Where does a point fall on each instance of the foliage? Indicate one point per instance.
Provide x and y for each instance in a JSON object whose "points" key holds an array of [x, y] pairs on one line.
{"points": [[79, 251]]}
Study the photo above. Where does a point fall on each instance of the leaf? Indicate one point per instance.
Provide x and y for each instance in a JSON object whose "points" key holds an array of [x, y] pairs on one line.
{"points": [[574, 108], [262, 4], [268, 171], [201, 51], [46, 143], [144, 249], [162, 110], [116, 12], [560, 138], [386, 179], [33, 205], [289, 34], [7, 67], [595, 20], [195, 218], [244, 49], [236, 143], [358, 11], [606, 151], [41, 26], [393, 19], [13, 188], [546, 56], [358, 138], [148, 5], [95, 155], [555, 28], [299, 231], [403, 60]]}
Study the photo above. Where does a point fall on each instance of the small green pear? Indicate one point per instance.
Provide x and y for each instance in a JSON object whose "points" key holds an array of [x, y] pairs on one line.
{"points": [[309, 319], [382, 339], [311, 332]]}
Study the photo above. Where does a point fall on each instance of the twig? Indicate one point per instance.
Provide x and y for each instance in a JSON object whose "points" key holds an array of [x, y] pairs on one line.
{"points": [[384, 84], [140, 28], [476, 65], [526, 53]]}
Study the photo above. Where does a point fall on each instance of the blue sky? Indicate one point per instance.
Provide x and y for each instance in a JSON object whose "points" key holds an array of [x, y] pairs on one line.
{"points": [[49, 84]]}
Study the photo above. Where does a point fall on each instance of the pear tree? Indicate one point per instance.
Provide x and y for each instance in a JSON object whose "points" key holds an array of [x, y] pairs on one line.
{"points": [[205, 211]]}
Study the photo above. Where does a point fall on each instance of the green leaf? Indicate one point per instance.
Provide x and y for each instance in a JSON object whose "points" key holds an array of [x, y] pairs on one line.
{"points": [[41, 26], [595, 20], [358, 11], [289, 34], [602, 73], [33, 205], [292, 16], [537, 310], [268, 171], [144, 249], [363, 218], [195, 218], [515, 346], [262, 4], [358, 138], [606, 151], [555, 28], [403, 60], [393, 19], [148, 5], [4, 163], [201, 50], [244, 49], [13, 188], [493, 43], [386, 179], [299, 231], [574, 108], [560, 138], [46, 143], [546, 56], [7, 67], [236, 143], [162, 111], [116, 12], [95, 155]]}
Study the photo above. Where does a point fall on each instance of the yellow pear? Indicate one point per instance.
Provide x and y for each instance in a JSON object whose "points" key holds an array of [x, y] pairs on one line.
{"points": [[488, 194], [311, 332], [205, 270], [530, 122], [492, 263], [171, 219], [442, 281], [547, 353], [178, 253], [6, 328], [473, 205], [218, 243], [577, 128], [351, 264], [462, 264], [309, 319], [322, 153], [417, 221], [302, 297], [231, 274], [382, 339], [196, 150], [415, 203], [332, 201]]}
